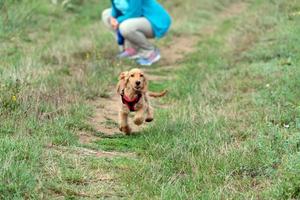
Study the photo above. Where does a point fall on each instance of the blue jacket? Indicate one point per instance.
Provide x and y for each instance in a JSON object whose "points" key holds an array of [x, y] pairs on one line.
{"points": [[159, 18]]}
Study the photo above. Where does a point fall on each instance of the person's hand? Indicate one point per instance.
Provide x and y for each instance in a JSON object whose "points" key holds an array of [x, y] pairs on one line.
{"points": [[114, 23]]}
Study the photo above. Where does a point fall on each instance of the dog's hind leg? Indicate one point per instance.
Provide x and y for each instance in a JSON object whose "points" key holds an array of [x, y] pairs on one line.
{"points": [[124, 127]]}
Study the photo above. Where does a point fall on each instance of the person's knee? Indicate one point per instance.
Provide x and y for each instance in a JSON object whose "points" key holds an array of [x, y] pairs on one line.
{"points": [[126, 29], [106, 14]]}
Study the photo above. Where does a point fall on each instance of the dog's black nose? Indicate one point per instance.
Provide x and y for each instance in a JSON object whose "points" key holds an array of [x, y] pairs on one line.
{"points": [[138, 82]]}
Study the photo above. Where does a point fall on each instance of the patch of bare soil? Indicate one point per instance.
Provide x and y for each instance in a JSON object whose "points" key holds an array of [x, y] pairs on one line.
{"points": [[180, 46], [84, 152], [233, 10], [87, 138], [105, 119]]}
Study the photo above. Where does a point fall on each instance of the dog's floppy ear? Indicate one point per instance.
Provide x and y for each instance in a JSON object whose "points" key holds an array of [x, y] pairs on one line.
{"points": [[126, 78], [121, 82], [145, 87]]}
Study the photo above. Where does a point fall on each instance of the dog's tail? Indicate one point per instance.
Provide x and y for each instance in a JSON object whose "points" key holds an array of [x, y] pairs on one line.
{"points": [[157, 94]]}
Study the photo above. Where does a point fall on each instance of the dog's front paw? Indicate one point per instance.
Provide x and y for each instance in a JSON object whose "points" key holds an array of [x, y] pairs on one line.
{"points": [[150, 119], [125, 129], [138, 121]]}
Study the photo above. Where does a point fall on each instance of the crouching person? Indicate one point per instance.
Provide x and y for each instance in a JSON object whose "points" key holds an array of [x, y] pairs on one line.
{"points": [[135, 22]]}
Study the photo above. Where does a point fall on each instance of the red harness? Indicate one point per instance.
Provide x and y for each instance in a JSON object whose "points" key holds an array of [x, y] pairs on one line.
{"points": [[130, 103]]}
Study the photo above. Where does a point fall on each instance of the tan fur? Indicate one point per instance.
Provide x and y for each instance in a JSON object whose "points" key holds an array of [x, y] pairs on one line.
{"points": [[157, 94], [144, 112]]}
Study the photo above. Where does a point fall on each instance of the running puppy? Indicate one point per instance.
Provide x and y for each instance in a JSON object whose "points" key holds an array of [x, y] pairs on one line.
{"points": [[133, 89]]}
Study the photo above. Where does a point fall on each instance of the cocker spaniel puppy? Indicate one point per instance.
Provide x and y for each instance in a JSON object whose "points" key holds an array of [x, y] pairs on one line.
{"points": [[133, 90]]}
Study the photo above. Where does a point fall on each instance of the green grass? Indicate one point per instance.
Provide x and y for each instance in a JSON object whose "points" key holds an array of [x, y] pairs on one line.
{"points": [[232, 130], [121, 144]]}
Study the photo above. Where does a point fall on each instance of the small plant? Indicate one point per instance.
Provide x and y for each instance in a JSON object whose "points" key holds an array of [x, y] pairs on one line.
{"points": [[9, 95]]}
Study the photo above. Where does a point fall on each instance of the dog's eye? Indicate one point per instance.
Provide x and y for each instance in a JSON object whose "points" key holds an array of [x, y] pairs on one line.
{"points": [[141, 75], [132, 75]]}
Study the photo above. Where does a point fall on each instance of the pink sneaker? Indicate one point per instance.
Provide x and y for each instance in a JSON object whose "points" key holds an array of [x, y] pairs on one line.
{"points": [[153, 58], [130, 53]]}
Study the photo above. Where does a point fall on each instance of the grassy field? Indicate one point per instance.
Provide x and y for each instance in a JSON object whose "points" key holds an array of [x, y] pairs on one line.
{"points": [[232, 130]]}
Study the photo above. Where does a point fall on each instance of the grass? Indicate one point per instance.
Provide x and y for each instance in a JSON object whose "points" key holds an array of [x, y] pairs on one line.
{"points": [[232, 130]]}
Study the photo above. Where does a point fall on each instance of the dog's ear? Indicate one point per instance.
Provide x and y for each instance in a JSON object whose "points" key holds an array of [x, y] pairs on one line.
{"points": [[121, 82], [126, 76], [145, 86], [123, 75]]}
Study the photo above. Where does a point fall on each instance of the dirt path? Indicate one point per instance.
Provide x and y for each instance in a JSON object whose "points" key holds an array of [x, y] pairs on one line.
{"points": [[105, 119]]}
